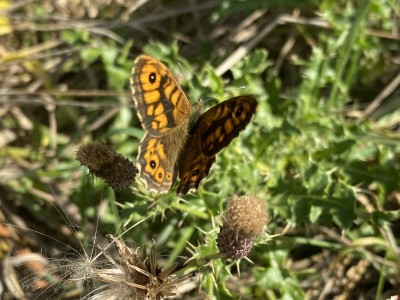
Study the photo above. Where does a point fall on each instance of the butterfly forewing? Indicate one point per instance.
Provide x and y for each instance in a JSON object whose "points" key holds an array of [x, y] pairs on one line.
{"points": [[160, 102], [219, 125], [213, 131]]}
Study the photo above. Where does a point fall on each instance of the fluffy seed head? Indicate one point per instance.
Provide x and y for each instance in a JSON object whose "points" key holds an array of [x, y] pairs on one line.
{"points": [[246, 214], [243, 221]]}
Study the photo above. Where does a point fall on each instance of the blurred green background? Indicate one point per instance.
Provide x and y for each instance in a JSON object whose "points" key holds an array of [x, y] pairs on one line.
{"points": [[323, 150]]}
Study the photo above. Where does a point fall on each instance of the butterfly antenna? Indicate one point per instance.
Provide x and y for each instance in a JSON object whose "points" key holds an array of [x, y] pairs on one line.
{"points": [[226, 92], [188, 80]]}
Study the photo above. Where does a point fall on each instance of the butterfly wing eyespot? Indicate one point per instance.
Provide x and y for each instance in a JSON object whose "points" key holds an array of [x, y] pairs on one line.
{"points": [[154, 169], [213, 131], [152, 78]]}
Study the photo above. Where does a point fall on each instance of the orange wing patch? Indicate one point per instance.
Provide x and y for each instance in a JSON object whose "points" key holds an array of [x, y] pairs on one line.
{"points": [[154, 167]]}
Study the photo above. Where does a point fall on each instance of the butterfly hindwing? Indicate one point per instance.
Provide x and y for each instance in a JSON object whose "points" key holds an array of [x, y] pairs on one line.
{"points": [[193, 171], [155, 170]]}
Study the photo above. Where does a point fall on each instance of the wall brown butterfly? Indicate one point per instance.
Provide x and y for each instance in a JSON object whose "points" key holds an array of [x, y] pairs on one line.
{"points": [[178, 139]]}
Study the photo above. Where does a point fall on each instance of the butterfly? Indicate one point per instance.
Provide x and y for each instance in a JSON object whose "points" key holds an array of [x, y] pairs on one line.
{"points": [[179, 139]]}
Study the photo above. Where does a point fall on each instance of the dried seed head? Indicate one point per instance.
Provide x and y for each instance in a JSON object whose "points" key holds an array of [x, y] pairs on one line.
{"points": [[243, 221], [118, 175], [233, 244], [102, 160], [95, 156], [246, 214], [135, 276]]}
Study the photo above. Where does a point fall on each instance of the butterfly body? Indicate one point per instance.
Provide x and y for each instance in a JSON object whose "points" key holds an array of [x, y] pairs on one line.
{"points": [[178, 139]]}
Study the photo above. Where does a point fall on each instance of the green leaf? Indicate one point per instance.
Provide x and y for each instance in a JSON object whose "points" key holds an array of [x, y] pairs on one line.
{"points": [[89, 55], [117, 77], [300, 209], [109, 56], [254, 63], [315, 213], [343, 210], [73, 36]]}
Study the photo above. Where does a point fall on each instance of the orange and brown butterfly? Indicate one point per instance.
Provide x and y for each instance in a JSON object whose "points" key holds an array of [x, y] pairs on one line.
{"points": [[178, 139]]}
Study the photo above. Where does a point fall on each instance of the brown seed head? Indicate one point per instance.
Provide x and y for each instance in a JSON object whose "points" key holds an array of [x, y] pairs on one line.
{"points": [[233, 244], [95, 156], [102, 160], [246, 214], [243, 221]]}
